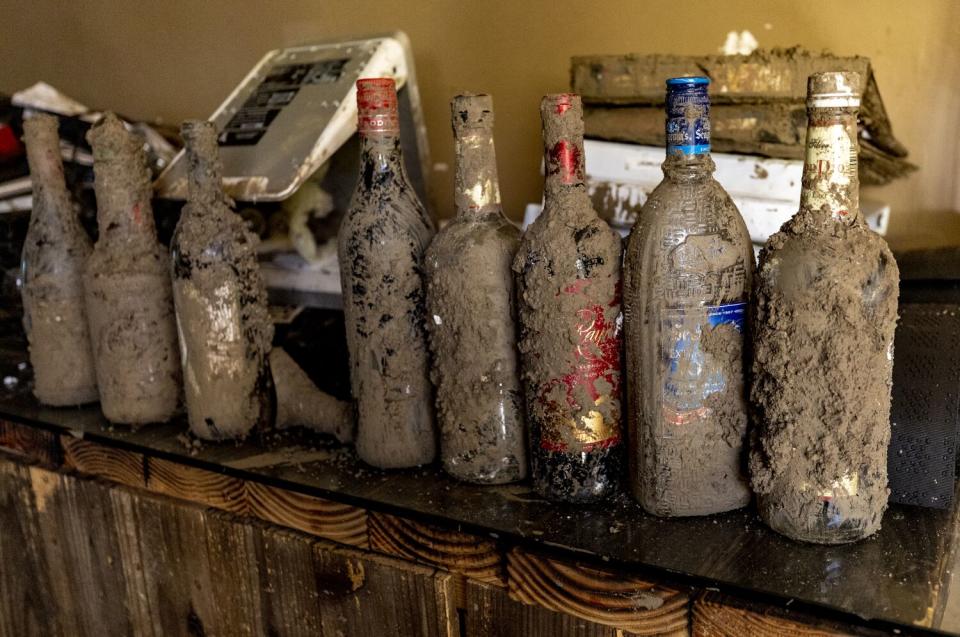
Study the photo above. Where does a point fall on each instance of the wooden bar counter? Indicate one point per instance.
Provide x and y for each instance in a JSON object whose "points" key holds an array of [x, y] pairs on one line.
{"points": [[105, 531]]}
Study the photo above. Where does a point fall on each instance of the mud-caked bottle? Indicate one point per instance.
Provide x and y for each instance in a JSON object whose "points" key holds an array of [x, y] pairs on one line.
{"points": [[54, 253], [826, 310], [568, 296], [688, 273], [471, 314], [223, 323], [127, 286], [381, 251]]}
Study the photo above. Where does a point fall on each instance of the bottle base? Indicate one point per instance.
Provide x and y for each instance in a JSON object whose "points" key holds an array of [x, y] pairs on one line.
{"points": [[824, 527], [576, 478], [72, 398], [686, 511]]}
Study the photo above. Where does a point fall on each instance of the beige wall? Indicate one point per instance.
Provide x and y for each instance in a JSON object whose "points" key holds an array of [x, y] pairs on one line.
{"points": [[174, 59]]}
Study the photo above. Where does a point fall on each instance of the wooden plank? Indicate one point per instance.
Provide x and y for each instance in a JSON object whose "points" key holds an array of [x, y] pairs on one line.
{"points": [[196, 485], [131, 562], [491, 611], [716, 615], [94, 459], [82, 553], [26, 607], [369, 596], [317, 516], [477, 558], [30, 443], [603, 596]]}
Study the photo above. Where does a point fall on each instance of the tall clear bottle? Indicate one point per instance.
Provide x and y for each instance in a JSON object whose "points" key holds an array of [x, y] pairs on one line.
{"points": [[471, 314], [54, 252], [826, 310], [688, 273], [381, 250], [223, 322], [127, 287], [568, 295]]}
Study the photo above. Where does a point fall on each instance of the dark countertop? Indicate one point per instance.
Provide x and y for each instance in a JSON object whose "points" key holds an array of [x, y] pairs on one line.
{"points": [[895, 580]]}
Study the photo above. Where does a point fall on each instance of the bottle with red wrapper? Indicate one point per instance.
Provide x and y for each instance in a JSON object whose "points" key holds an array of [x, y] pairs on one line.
{"points": [[568, 284], [381, 249]]}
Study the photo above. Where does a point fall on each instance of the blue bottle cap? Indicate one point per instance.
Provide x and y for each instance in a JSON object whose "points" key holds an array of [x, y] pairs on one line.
{"points": [[688, 115], [688, 81]]}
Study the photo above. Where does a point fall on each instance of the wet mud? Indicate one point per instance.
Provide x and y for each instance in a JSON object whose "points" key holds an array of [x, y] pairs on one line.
{"points": [[127, 287], [223, 321], [54, 253], [471, 315]]}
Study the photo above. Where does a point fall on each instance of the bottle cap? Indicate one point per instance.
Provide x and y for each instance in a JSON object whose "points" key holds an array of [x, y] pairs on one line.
{"points": [[471, 110], [688, 115], [377, 106], [834, 89]]}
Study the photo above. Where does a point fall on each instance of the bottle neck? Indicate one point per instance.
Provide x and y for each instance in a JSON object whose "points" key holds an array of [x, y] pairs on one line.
{"points": [[46, 171], [381, 160], [124, 210], [477, 188], [204, 170], [683, 168], [831, 183], [563, 164]]}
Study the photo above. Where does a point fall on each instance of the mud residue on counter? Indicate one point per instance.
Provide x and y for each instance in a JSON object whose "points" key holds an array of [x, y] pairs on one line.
{"points": [[471, 315], [54, 252], [825, 316], [301, 404], [221, 304], [127, 284]]}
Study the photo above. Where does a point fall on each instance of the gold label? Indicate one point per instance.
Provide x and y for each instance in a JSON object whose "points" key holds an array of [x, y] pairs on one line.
{"points": [[830, 168]]}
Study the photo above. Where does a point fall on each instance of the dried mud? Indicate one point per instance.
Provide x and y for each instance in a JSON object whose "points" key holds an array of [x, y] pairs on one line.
{"points": [[224, 326], [687, 280], [127, 287], [471, 316], [54, 253], [826, 310], [381, 246], [301, 404], [568, 287]]}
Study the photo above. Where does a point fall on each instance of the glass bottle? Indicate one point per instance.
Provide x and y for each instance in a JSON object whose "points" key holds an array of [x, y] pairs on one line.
{"points": [[54, 252], [471, 314], [381, 250], [689, 268], [127, 286], [568, 294], [223, 324], [826, 310]]}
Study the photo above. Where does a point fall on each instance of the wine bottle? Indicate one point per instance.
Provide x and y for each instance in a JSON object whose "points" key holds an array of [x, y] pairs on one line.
{"points": [[223, 323], [826, 310], [688, 275], [381, 251], [568, 290], [127, 286], [471, 314], [55, 250]]}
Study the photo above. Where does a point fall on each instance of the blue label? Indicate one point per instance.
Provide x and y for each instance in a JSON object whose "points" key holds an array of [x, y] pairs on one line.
{"points": [[692, 375], [688, 116]]}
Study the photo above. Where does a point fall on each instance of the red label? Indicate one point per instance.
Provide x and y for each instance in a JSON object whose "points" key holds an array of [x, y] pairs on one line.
{"points": [[596, 358], [567, 161], [377, 105]]}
